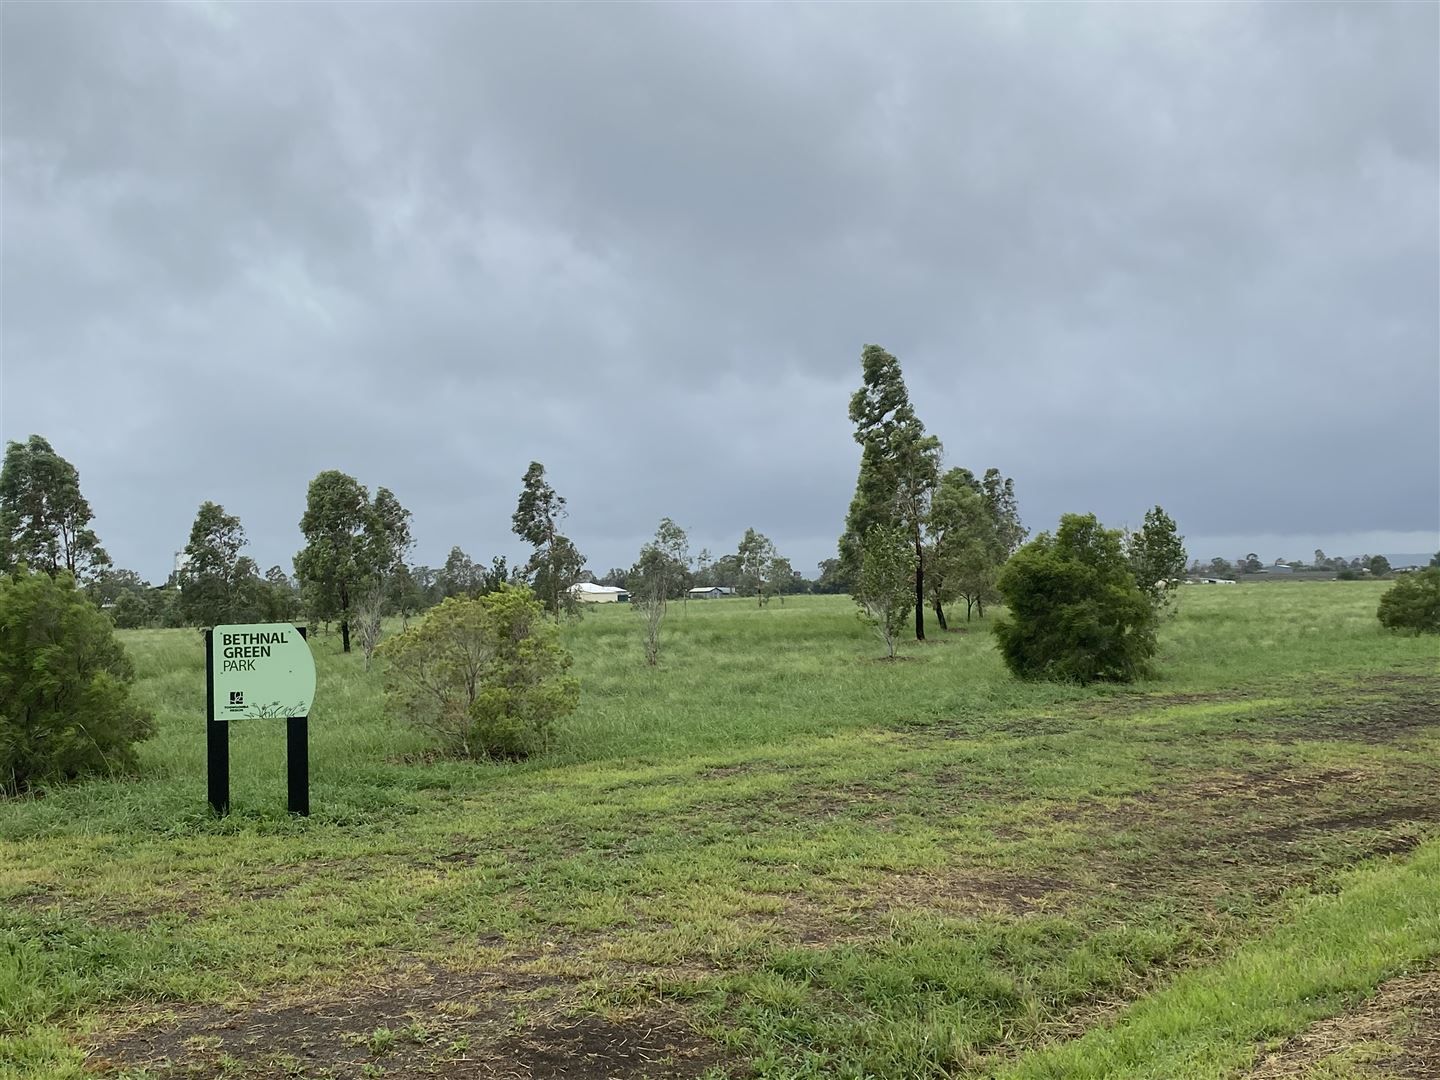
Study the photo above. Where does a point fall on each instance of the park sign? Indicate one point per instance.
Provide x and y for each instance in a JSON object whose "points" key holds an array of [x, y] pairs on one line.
{"points": [[260, 670], [254, 671]]}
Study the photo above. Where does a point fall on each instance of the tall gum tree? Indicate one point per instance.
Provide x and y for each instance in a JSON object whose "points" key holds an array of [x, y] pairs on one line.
{"points": [[899, 467], [556, 564], [211, 575], [44, 520], [351, 544]]}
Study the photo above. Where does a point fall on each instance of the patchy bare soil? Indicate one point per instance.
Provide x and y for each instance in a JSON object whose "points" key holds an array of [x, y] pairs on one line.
{"points": [[1377, 722], [434, 1024], [968, 892], [1395, 1034], [1198, 840]]}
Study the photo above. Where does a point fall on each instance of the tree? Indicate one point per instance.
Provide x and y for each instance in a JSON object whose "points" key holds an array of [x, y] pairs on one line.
{"points": [[459, 576], [779, 577], [1220, 568], [883, 587], [753, 558], [131, 612], [974, 526], [1320, 563], [1435, 559], [831, 580], [65, 706], [726, 571], [44, 520], [658, 576], [426, 587], [253, 600], [211, 576], [976, 573], [556, 564], [351, 545], [493, 579], [370, 621], [1157, 558], [959, 533], [1004, 510], [282, 601], [674, 544], [403, 594], [388, 535], [110, 585], [486, 675], [1378, 565], [1413, 603], [899, 467], [1075, 613]]}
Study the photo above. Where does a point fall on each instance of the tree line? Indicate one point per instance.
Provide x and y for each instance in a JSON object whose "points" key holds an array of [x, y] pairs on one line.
{"points": [[1375, 566], [353, 569]]}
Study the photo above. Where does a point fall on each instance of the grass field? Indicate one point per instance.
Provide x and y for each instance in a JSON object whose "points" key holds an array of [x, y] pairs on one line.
{"points": [[774, 856]]}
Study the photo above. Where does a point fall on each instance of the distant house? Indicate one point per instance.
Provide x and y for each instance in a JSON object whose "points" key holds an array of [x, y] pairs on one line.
{"points": [[710, 592], [590, 593]]}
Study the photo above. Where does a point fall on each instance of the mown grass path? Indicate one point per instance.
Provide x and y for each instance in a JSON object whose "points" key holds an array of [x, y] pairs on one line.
{"points": [[773, 855]]}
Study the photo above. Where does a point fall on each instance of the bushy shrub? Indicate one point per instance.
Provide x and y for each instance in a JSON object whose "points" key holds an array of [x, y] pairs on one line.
{"points": [[65, 708], [1074, 612], [1413, 603], [486, 675]]}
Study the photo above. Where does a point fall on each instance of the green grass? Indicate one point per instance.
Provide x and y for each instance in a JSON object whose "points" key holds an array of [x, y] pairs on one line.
{"points": [[1384, 920], [823, 864]]}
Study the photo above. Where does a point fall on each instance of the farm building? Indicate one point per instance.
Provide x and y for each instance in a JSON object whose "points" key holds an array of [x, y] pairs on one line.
{"points": [[710, 592], [599, 594]]}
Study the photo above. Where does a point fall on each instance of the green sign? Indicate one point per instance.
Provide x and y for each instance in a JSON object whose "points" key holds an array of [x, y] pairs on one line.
{"points": [[260, 670]]}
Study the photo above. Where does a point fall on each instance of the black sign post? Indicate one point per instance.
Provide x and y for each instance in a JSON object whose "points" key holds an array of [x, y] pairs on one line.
{"points": [[297, 758], [217, 739]]}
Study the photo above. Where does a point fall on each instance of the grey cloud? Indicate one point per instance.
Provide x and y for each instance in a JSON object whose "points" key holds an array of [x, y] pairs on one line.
{"points": [[1170, 253]]}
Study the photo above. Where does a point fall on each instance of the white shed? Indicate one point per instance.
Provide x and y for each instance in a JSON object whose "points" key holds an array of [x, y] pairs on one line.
{"points": [[599, 594]]}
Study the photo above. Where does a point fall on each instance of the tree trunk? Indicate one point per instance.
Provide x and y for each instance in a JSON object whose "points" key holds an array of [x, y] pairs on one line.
{"points": [[345, 616], [968, 605], [981, 605], [919, 589], [940, 616]]}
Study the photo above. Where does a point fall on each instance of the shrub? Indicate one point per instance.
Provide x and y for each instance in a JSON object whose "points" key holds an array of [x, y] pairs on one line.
{"points": [[486, 675], [1413, 603], [1075, 613], [65, 708]]}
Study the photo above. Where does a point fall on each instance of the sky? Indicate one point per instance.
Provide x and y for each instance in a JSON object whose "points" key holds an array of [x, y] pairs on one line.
{"points": [[1185, 254]]}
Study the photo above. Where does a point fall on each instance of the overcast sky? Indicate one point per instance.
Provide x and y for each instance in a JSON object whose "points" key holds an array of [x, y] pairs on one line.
{"points": [[1182, 253]]}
